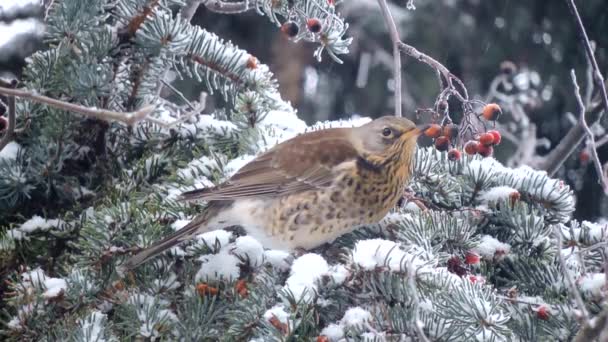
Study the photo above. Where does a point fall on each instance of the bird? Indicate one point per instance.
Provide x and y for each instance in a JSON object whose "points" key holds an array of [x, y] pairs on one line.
{"points": [[308, 190]]}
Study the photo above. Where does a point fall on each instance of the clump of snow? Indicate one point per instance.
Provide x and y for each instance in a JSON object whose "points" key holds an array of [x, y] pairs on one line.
{"points": [[489, 247], [220, 237], [12, 33], [216, 267], [237, 163], [305, 272], [179, 224], [373, 253], [278, 259], [497, 193], [37, 280], [593, 283], [250, 249], [279, 312], [11, 149], [356, 317], [338, 273], [34, 224], [595, 232], [168, 282], [333, 332], [54, 287], [354, 121]]}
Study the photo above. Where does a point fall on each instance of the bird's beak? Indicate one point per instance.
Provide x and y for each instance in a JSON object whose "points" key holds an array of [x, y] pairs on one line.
{"points": [[420, 129]]}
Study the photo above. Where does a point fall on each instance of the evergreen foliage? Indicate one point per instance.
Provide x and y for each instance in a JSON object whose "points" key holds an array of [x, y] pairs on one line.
{"points": [[470, 254]]}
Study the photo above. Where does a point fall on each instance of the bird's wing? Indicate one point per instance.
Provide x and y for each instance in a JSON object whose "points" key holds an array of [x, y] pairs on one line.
{"points": [[303, 163]]}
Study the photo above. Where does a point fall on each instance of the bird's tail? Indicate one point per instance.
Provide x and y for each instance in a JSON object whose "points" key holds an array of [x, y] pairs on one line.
{"points": [[196, 226]]}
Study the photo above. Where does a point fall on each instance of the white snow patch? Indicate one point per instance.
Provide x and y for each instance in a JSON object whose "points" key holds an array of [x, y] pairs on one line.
{"points": [[373, 253], [38, 223], [489, 246], [54, 287], [249, 248], [497, 193], [11, 150], [277, 311], [278, 259], [593, 283], [179, 224], [338, 273], [305, 272], [356, 317], [333, 332], [10, 32], [216, 267], [236, 164], [220, 236]]}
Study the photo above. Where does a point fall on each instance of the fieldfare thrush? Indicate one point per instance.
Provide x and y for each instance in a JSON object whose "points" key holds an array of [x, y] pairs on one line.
{"points": [[308, 190]]}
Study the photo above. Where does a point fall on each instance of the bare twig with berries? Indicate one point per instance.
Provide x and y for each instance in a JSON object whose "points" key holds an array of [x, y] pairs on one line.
{"points": [[589, 133], [396, 42], [569, 280], [128, 118]]}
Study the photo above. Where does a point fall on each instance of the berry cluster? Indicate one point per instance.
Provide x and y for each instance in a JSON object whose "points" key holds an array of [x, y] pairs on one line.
{"points": [[291, 28], [483, 145], [443, 136]]}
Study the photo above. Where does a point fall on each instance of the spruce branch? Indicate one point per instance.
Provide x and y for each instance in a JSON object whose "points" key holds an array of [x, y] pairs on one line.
{"points": [[128, 118], [569, 280], [589, 133]]}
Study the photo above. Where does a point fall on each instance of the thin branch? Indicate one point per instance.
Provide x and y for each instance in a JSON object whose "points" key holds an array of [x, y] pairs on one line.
{"points": [[178, 93], [10, 129], [228, 7], [592, 330], [575, 136], [571, 285], [394, 34], [583, 123], [128, 118], [597, 75]]}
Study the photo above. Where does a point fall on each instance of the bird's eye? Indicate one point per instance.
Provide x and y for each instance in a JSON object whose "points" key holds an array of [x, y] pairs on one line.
{"points": [[387, 132]]}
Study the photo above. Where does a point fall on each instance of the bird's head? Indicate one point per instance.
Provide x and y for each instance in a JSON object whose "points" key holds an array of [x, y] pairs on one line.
{"points": [[387, 139]]}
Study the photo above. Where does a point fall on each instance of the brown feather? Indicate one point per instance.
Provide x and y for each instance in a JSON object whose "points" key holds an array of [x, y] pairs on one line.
{"points": [[303, 163]]}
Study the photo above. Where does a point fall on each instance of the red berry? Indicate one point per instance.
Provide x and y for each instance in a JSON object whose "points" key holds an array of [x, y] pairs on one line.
{"points": [[322, 338], [3, 123], [476, 279], [450, 131], [442, 143], [485, 151], [583, 156], [542, 312], [496, 135], [491, 111], [471, 258], [252, 62], [314, 25], [514, 197], [454, 154], [290, 29], [486, 139], [434, 131], [471, 147]]}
